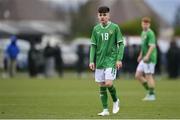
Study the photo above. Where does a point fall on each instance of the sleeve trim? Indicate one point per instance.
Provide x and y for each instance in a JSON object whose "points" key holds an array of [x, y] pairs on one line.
{"points": [[119, 41], [151, 44], [93, 43]]}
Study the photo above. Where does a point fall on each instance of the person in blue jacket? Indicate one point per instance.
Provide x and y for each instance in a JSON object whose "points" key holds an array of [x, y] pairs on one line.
{"points": [[12, 52]]}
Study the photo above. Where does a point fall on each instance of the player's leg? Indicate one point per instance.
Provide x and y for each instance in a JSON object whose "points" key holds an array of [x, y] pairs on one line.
{"points": [[10, 68], [151, 83], [13, 67], [112, 91], [110, 75], [100, 79], [151, 94], [139, 75], [149, 71], [103, 95]]}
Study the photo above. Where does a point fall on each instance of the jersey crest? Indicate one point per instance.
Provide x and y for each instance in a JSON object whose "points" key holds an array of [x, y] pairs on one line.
{"points": [[110, 32]]}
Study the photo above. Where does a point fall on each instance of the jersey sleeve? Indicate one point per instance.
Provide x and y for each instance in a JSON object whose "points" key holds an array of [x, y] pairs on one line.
{"points": [[120, 43], [119, 36], [120, 51], [93, 37], [152, 39], [92, 53]]}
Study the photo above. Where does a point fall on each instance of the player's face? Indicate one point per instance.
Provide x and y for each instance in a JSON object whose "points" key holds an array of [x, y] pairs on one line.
{"points": [[145, 25], [103, 18]]}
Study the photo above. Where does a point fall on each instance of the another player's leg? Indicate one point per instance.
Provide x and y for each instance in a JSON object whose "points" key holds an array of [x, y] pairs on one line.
{"points": [[151, 83], [149, 71], [139, 76]]}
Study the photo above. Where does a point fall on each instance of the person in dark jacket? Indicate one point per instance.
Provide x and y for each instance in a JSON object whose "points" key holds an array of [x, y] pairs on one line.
{"points": [[59, 64], [32, 57], [81, 60], [49, 60], [12, 52], [173, 57]]}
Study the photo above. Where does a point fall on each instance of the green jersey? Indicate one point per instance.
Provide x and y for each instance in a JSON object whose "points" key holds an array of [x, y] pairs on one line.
{"points": [[148, 38], [106, 39]]}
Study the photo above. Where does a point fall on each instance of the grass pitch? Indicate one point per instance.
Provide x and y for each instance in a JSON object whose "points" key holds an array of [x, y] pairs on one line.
{"points": [[72, 97]]}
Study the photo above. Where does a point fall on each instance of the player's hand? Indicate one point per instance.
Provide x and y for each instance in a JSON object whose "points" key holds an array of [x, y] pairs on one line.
{"points": [[139, 59], [146, 59], [92, 66], [118, 65]]}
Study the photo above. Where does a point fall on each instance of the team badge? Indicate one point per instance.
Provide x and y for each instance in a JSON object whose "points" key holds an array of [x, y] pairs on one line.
{"points": [[110, 32], [144, 37]]}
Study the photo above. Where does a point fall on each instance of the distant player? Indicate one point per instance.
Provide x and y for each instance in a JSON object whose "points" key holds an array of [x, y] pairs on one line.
{"points": [[106, 53], [147, 59]]}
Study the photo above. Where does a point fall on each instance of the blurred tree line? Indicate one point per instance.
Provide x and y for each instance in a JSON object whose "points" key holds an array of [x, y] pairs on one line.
{"points": [[82, 21], [85, 18], [177, 22], [134, 27]]}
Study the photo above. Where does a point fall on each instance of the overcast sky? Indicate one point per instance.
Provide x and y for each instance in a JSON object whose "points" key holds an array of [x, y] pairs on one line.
{"points": [[165, 8], [66, 3]]}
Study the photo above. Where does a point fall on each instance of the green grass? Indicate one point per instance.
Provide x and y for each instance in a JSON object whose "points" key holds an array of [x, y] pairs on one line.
{"points": [[70, 97]]}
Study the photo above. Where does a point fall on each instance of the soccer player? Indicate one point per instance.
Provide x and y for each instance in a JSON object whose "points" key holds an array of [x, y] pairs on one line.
{"points": [[106, 53], [147, 59]]}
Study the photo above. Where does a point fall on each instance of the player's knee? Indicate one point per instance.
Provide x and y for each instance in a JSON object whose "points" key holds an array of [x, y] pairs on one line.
{"points": [[109, 84], [102, 84], [137, 76]]}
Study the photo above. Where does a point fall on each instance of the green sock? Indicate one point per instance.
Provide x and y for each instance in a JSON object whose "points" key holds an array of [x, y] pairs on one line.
{"points": [[112, 91], [104, 97], [145, 84], [151, 91]]}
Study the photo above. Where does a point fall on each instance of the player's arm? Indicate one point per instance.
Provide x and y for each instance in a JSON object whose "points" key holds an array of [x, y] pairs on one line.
{"points": [[152, 45], [151, 48], [120, 55], [120, 51], [92, 51], [140, 56], [120, 45], [92, 57]]}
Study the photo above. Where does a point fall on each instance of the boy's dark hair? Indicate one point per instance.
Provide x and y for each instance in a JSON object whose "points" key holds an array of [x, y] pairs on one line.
{"points": [[146, 19], [103, 9]]}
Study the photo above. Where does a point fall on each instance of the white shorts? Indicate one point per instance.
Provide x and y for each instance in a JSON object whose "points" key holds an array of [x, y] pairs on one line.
{"points": [[147, 68], [101, 75]]}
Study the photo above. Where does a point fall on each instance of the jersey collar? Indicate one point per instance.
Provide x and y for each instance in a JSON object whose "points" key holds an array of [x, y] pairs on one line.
{"points": [[146, 30], [109, 22]]}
